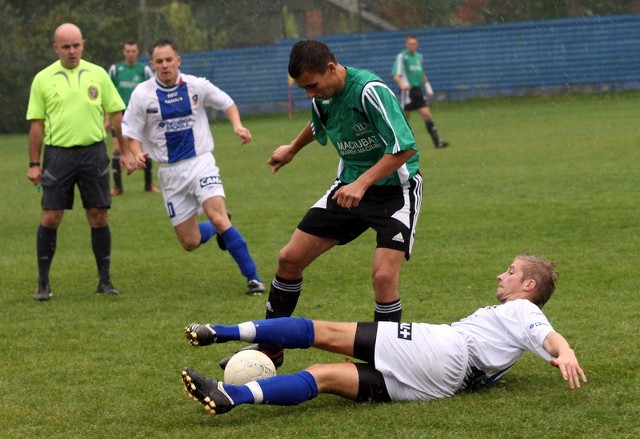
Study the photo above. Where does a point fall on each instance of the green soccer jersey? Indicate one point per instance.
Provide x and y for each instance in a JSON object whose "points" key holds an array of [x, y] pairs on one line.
{"points": [[72, 103], [409, 67], [126, 77], [364, 121]]}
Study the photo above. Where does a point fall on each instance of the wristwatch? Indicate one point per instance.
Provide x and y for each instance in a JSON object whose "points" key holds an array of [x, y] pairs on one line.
{"points": [[32, 164]]}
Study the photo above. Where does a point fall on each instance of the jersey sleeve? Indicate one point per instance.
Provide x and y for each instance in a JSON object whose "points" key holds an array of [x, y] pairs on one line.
{"points": [[113, 73], [317, 127], [134, 118], [148, 72], [111, 100], [215, 97], [384, 112], [36, 109], [535, 327], [398, 65]]}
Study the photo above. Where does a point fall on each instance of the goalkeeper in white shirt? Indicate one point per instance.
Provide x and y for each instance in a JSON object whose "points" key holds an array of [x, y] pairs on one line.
{"points": [[400, 361]]}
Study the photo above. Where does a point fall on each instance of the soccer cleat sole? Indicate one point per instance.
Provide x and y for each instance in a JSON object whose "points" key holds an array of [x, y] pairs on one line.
{"points": [[196, 394], [200, 334]]}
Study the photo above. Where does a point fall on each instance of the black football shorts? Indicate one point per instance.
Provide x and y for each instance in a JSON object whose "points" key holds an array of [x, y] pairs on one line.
{"points": [[392, 211], [84, 166]]}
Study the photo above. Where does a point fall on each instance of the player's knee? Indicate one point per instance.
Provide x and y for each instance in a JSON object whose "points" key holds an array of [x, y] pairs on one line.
{"points": [[289, 263], [98, 217], [51, 220], [383, 280], [189, 244]]}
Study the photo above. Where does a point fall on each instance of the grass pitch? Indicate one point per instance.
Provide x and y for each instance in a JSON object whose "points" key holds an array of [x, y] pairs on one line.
{"points": [[556, 176]]}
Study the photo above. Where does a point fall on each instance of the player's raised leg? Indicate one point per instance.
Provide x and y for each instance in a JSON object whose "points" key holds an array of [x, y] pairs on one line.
{"points": [[234, 242], [284, 332]]}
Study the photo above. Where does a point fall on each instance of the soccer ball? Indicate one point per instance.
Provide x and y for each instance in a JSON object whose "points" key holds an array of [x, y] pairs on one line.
{"points": [[249, 365]]}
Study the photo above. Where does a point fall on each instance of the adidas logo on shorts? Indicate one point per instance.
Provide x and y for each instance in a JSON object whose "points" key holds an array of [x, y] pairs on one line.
{"points": [[398, 238]]}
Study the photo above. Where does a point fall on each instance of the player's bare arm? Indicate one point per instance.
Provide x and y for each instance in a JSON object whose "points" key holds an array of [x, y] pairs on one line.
{"points": [[233, 115], [285, 153], [565, 359], [350, 195], [36, 136]]}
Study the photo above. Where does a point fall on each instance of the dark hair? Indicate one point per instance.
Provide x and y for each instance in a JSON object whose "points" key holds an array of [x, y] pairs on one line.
{"points": [[310, 56], [131, 43], [543, 272], [163, 42]]}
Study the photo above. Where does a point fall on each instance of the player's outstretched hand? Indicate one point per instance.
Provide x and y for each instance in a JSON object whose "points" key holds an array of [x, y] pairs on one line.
{"points": [[570, 369], [200, 335]]}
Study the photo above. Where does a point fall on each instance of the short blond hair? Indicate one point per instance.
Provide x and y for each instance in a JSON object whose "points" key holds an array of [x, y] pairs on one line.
{"points": [[543, 272]]}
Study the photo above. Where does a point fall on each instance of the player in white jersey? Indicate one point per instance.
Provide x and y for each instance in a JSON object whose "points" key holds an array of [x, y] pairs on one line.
{"points": [[167, 115], [402, 361]]}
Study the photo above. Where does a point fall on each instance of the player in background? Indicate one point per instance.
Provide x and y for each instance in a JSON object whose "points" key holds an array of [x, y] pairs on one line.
{"points": [[66, 110], [378, 183], [402, 361], [408, 72], [126, 75], [167, 114]]}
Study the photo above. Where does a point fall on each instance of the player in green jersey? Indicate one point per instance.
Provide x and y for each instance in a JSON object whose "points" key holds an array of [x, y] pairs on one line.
{"points": [[378, 184], [67, 107], [126, 75], [409, 74]]}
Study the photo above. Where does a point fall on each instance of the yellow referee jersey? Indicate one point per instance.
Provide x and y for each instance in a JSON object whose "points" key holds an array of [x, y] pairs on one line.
{"points": [[72, 103]]}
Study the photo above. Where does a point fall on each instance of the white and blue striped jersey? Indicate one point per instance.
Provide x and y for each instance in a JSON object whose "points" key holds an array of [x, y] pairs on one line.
{"points": [[171, 123]]}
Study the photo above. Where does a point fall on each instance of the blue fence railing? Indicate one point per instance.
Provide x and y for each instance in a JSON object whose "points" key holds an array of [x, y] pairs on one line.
{"points": [[461, 62]]}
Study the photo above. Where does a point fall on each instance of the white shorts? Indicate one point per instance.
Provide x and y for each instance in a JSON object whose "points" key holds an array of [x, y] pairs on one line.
{"points": [[187, 184], [420, 361]]}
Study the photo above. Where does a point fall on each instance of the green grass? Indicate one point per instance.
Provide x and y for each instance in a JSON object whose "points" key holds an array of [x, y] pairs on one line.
{"points": [[556, 176]]}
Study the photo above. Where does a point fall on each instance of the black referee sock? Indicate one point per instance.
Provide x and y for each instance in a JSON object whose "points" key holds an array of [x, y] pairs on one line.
{"points": [[388, 312], [433, 132], [117, 176], [46, 240], [101, 245]]}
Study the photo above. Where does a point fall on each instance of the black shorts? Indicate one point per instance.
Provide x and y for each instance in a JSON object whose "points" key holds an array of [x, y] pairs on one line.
{"points": [[413, 99], [85, 166], [371, 385], [392, 211]]}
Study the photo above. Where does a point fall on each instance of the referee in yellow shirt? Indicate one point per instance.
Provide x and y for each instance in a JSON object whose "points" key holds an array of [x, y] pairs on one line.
{"points": [[66, 110]]}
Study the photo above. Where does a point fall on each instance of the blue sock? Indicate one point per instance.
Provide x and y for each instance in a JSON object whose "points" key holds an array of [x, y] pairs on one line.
{"points": [[206, 231], [237, 246], [278, 390], [286, 332]]}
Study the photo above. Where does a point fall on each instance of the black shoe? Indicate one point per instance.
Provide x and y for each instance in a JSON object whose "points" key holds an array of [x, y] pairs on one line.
{"points": [[200, 335], [43, 292], [277, 357], [442, 144], [105, 287], [207, 392], [221, 243]]}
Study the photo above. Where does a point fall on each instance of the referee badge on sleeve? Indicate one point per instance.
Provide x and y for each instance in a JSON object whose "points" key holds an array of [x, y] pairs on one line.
{"points": [[404, 331]]}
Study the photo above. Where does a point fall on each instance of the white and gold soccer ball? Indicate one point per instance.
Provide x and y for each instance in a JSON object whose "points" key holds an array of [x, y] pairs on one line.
{"points": [[249, 365]]}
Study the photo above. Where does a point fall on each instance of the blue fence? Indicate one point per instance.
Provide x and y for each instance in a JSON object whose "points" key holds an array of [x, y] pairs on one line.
{"points": [[599, 53]]}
